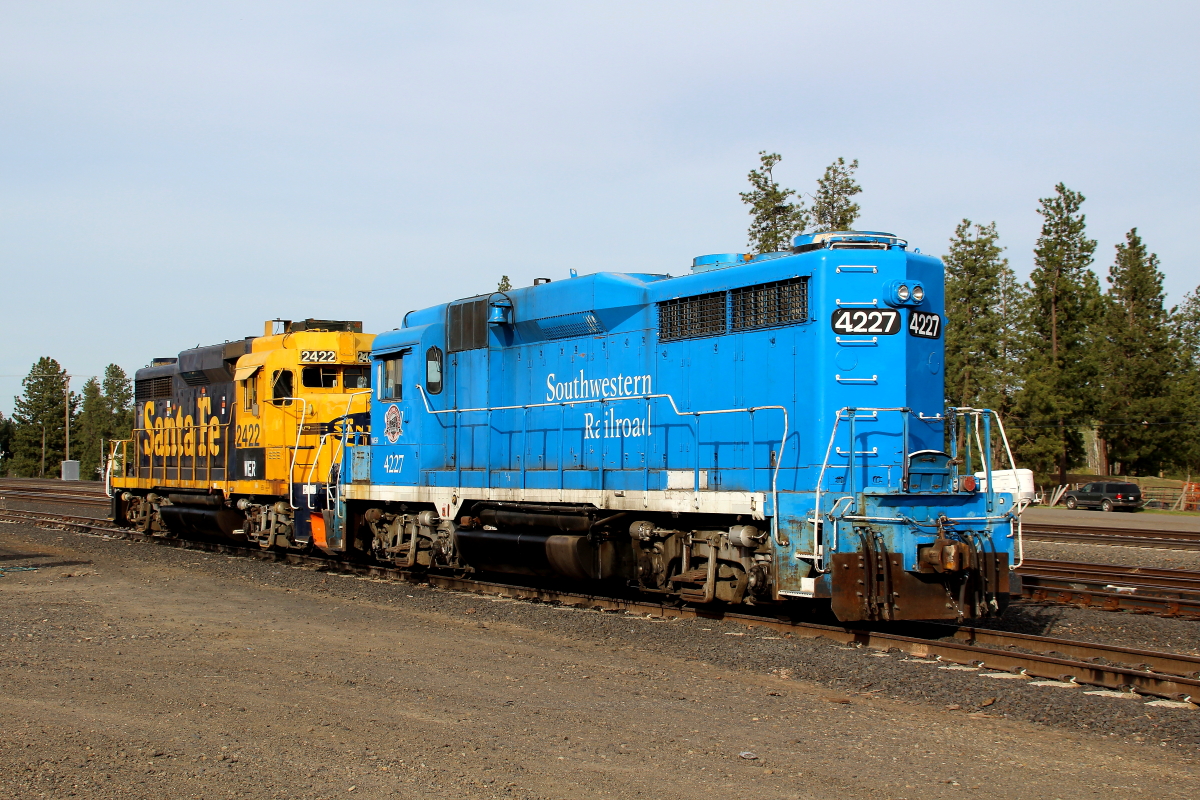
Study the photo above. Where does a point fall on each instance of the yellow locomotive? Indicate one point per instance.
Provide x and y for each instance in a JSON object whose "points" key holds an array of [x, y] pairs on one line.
{"points": [[243, 439]]}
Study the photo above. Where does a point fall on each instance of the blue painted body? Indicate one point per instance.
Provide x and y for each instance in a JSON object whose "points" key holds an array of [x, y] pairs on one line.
{"points": [[577, 391]]}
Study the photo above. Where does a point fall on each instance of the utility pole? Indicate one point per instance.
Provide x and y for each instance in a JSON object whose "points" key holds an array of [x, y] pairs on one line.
{"points": [[42, 473], [67, 416]]}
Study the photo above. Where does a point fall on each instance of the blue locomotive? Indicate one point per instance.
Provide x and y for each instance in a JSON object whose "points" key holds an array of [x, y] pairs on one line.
{"points": [[764, 428]]}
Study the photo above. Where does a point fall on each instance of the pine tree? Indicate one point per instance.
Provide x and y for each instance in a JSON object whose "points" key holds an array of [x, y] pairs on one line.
{"points": [[1139, 364], [504, 285], [89, 429], [979, 310], [6, 435], [832, 209], [1186, 342], [775, 219], [107, 414], [40, 411], [118, 396], [1064, 297]]}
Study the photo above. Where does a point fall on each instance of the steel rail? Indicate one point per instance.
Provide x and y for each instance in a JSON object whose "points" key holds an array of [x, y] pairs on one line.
{"points": [[1172, 676], [1140, 577], [1126, 537], [54, 498]]}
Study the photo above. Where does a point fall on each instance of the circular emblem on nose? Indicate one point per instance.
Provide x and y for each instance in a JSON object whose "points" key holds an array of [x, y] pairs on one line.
{"points": [[846, 359], [935, 363], [391, 423]]}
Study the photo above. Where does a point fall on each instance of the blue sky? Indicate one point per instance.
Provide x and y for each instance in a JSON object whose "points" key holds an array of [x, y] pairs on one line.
{"points": [[175, 175]]}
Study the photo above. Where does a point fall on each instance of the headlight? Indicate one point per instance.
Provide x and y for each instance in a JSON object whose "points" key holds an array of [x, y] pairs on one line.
{"points": [[902, 292], [918, 293]]}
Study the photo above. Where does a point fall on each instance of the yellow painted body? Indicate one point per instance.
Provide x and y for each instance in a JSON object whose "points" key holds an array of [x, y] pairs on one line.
{"points": [[286, 392]]}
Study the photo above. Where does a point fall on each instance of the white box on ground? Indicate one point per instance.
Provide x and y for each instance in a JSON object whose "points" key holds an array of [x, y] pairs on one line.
{"points": [[1017, 482], [70, 470]]}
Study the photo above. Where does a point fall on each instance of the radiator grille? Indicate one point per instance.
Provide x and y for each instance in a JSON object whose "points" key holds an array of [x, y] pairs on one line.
{"points": [[466, 326], [770, 304], [152, 388], [691, 317]]}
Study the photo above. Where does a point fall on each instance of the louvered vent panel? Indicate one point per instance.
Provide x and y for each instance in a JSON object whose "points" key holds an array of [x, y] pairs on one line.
{"points": [[692, 317], [770, 304]]}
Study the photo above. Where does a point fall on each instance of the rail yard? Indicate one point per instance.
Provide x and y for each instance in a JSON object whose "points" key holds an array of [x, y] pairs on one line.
{"points": [[632, 696]]}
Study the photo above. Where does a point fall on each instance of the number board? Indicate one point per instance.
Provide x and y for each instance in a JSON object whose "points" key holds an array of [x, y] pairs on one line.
{"points": [[924, 325], [318, 356], [878, 321], [364, 356]]}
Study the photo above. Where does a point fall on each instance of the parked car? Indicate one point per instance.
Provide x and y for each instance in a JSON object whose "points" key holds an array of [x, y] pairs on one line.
{"points": [[1106, 496]]}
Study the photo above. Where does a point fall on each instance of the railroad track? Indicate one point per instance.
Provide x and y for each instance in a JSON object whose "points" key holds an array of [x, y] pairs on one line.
{"points": [[1174, 593], [1165, 592], [52, 492], [1126, 537], [1164, 675]]}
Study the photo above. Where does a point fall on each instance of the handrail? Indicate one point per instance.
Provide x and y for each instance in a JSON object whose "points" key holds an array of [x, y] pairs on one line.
{"points": [[816, 517], [674, 408], [296, 449], [169, 462], [341, 457], [1016, 511]]}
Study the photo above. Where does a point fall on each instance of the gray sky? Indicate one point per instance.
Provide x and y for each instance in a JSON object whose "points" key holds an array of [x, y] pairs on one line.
{"points": [[173, 176]]}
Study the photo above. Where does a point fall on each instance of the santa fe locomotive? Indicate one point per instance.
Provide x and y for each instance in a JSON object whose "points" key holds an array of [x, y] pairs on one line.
{"points": [[240, 439], [763, 429]]}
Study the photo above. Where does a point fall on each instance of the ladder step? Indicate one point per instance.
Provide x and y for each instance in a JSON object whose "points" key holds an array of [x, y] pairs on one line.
{"points": [[695, 576]]}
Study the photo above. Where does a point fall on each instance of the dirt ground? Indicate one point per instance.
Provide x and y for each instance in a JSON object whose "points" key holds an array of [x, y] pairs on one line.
{"points": [[138, 671]]}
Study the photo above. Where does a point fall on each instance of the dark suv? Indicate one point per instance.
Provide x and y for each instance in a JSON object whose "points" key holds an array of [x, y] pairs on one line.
{"points": [[1105, 496]]}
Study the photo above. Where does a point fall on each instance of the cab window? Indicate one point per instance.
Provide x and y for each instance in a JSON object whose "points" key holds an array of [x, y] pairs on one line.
{"points": [[433, 370], [391, 374], [319, 377], [282, 387], [356, 377], [250, 394]]}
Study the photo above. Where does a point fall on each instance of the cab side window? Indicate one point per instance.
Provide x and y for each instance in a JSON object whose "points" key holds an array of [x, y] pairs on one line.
{"points": [[250, 394], [391, 376], [319, 377], [282, 387], [356, 377], [433, 370]]}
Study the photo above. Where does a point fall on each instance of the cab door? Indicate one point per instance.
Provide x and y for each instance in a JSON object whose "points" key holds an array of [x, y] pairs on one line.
{"points": [[394, 457]]}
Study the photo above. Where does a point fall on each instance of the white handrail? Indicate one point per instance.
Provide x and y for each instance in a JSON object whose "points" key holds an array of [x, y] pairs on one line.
{"points": [[674, 408], [341, 453], [296, 449]]}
